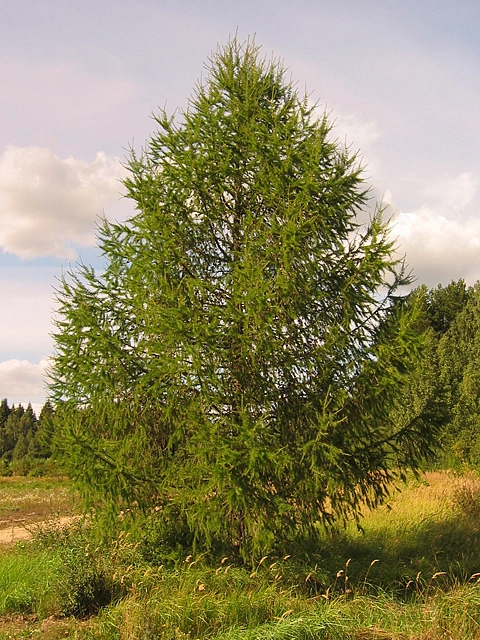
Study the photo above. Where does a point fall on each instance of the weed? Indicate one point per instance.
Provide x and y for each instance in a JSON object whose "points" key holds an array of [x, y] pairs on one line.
{"points": [[466, 497], [89, 577]]}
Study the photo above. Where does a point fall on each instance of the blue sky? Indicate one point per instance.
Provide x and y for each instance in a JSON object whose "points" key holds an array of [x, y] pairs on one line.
{"points": [[80, 81]]}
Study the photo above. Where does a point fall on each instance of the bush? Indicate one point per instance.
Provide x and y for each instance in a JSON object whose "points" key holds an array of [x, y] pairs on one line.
{"points": [[87, 578], [467, 497]]}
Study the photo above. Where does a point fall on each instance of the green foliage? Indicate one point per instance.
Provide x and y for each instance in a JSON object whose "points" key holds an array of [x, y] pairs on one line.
{"points": [[25, 441], [445, 303], [449, 367], [459, 354], [163, 538], [240, 360]]}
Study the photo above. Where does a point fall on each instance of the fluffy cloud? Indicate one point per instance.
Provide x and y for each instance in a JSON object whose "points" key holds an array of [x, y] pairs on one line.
{"points": [[49, 204], [442, 245], [23, 382], [454, 194]]}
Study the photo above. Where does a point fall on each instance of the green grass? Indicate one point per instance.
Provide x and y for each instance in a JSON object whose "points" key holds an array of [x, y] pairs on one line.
{"points": [[28, 581], [412, 573]]}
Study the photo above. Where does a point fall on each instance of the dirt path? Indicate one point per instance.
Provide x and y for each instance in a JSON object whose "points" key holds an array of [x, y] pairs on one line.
{"points": [[17, 532], [26, 504]]}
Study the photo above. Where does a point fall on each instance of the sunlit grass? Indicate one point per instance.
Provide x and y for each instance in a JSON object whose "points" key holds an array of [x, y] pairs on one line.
{"points": [[28, 581], [431, 527], [411, 574]]}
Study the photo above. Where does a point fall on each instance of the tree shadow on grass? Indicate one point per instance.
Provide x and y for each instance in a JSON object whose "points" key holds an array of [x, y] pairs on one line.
{"points": [[429, 535], [406, 559]]}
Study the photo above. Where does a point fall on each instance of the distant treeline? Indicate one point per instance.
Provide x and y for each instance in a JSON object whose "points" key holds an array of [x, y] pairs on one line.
{"points": [[25, 440], [450, 318]]}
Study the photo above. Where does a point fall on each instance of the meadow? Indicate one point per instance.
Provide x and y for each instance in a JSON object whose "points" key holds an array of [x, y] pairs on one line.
{"points": [[412, 572]]}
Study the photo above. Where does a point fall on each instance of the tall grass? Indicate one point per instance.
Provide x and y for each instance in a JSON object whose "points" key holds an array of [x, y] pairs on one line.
{"points": [[430, 528], [412, 573], [28, 582], [453, 614]]}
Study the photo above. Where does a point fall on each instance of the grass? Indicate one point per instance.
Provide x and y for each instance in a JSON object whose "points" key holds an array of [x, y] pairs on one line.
{"points": [[29, 500], [431, 527], [411, 574], [27, 582]]}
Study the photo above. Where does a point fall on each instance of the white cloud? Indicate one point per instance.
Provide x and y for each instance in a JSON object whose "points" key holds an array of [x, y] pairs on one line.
{"points": [[48, 204], [441, 238], [23, 382], [439, 248], [454, 193]]}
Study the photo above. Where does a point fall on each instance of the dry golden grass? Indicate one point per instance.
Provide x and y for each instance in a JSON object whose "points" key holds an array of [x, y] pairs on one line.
{"points": [[433, 493]]}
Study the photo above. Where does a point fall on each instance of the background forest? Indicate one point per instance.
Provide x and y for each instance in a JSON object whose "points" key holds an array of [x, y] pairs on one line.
{"points": [[451, 318], [25, 440]]}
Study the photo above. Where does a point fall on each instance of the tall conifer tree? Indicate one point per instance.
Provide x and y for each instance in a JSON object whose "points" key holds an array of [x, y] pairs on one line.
{"points": [[240, 358]]}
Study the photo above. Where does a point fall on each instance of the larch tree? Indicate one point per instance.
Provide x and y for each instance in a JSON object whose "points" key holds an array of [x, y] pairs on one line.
{"points": [[239, 360]]}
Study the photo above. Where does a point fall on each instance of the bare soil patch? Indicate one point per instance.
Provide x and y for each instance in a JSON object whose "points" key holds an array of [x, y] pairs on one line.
{"points": [[25, 532], [25, 503]]}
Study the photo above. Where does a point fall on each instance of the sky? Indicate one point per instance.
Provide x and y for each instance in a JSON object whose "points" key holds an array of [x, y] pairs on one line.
{"points": [[80, 82]]}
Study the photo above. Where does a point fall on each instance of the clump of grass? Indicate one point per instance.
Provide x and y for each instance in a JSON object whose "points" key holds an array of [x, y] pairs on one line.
{"points": [[92, 573], [466, 497], [199, 601], [27, 581]]}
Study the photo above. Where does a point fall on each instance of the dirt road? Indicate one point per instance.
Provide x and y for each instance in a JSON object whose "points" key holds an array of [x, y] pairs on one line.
{"points": [[17, 532]]}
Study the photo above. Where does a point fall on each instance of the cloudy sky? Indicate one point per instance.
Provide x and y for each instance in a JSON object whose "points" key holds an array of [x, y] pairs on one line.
{"points": [[80, 80]]}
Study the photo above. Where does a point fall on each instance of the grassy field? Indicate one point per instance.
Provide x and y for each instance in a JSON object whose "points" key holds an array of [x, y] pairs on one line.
{"points": [[26, 502], [411, 574], [32, 499]]}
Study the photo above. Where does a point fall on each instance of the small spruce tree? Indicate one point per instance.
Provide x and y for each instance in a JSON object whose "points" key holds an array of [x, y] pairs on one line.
{"points": [[239, 360]]}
